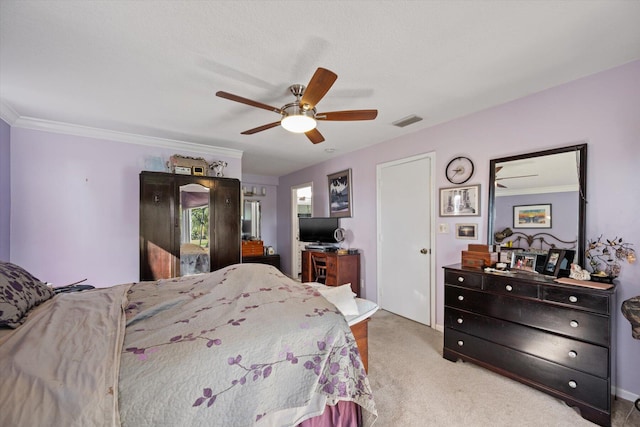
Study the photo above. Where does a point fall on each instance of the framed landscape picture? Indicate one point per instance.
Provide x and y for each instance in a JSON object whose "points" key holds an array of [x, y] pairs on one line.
{"points": [[532, 216]]}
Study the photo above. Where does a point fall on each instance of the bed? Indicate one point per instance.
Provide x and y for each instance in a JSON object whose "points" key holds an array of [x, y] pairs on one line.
{"points": [[194, 259], [241, 346]]}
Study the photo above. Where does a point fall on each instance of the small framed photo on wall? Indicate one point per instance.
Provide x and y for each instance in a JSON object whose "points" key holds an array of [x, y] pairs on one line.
{"points": [[467, 231]]}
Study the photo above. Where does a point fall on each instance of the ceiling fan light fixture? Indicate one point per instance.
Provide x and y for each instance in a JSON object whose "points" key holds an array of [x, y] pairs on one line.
{"points": [[297, 120]]}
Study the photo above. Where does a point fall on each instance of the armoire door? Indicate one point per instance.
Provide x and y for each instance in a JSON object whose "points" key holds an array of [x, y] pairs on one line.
{"points": [[225, 217], [158, 252]]}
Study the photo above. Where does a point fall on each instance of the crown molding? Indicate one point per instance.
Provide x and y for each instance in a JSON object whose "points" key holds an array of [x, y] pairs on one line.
{"points": [[10, 116]]}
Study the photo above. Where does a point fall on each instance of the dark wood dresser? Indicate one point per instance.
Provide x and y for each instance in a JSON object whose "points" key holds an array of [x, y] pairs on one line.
{"points": [[556, 338]]}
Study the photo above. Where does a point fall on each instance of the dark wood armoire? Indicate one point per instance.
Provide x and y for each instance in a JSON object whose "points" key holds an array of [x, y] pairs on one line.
{"points": [[188, 224]]}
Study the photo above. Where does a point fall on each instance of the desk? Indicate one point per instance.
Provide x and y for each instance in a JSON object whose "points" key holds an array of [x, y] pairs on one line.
{"points": [[341, 269]]}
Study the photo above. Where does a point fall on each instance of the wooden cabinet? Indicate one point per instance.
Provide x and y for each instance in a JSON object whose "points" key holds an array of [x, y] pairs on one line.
{"points": [[163, 233], [556, 338], [341, 269]]}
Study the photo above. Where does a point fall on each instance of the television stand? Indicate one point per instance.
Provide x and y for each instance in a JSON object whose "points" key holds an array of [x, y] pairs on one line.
{"points": [[341, 269], [320, 247]]}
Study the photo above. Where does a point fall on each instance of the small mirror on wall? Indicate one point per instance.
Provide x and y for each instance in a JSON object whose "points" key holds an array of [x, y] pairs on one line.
{"points": [[251, 227]]}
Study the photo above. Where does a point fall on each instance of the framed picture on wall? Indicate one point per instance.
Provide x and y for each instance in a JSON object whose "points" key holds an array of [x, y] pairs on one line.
{"points": [[460, 201], [340, 194], [467, 231], [532, 216]]}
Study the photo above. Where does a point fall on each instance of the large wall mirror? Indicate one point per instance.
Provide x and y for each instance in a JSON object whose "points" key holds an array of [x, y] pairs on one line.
{"points": [[538, 200]]}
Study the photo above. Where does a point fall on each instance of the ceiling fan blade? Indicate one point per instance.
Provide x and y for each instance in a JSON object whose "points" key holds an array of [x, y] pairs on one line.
{"points": [[317, 88], [500, 185], [348, 115], [260, 128], [314, 136], [513, 177], [246, 101], [498, 169]]}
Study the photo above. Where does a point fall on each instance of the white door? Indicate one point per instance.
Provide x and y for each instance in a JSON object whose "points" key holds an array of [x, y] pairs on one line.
{"points": [[301, 205], [405, 238]]}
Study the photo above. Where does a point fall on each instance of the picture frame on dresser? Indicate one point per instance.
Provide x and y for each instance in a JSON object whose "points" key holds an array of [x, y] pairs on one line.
{"points": [[558, 262], [552, 263], [524, 261]]}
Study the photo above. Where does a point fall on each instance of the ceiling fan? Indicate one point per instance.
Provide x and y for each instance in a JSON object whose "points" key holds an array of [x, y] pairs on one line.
{"points": [[498, 168], [300, 116]]}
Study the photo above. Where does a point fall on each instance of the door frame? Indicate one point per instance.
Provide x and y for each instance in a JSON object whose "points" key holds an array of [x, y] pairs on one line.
{"points": [[294, 228], [432, 227]]}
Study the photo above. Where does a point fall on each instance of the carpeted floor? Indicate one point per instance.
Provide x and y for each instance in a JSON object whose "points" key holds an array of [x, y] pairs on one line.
{"points": [[414, 385]]}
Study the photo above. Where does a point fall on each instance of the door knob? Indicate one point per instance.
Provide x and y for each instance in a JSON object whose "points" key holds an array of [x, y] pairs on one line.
{"points": [[424, 251]]}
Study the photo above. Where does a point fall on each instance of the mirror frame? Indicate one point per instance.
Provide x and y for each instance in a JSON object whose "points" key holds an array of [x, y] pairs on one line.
{"points": [[582, 197]]}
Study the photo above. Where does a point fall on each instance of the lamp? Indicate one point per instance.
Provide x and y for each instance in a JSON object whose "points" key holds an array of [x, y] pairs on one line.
{"points": [[298, 120]]}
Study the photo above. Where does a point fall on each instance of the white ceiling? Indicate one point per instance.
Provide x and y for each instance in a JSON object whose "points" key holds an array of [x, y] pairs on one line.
{"points": [[152, 67]]}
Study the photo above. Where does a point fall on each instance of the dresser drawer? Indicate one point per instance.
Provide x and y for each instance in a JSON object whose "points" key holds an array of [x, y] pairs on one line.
{"points": [[508, 285], [568, 352], [463, 278], [570, 297], [531, 369], [573, 323]]}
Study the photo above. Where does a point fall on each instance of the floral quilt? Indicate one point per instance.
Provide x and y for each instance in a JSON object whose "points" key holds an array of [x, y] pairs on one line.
{"points": [[241, 346]]}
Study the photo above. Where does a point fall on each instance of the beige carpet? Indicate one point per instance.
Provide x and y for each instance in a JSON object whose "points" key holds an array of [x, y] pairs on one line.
{"points": [[414, 386]]}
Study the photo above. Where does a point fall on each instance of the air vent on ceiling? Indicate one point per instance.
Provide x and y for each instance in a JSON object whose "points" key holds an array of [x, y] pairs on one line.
{"points": [[407, 121]]}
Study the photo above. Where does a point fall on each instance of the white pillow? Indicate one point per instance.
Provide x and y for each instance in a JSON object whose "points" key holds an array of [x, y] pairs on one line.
{"points": [[342, 297]]}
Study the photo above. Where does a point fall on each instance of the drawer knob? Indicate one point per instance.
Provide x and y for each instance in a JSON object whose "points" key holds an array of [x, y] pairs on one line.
{"points": [[574, 323], [460, 343], [573, 298], [460, 297], [509, 288], [460, 279], [573, 354], [460, 320], [573, 384]]}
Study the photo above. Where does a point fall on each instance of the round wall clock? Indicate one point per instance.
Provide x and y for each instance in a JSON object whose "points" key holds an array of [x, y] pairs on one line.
{"points": [[459, 170]]}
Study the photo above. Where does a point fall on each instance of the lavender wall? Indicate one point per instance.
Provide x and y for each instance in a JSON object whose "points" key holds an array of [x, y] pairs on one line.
{"points": [[5, 190], [602, 110], [75, 205]]}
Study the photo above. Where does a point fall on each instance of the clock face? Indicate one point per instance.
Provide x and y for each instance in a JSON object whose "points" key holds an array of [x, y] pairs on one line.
{"points": [[459, 170]]}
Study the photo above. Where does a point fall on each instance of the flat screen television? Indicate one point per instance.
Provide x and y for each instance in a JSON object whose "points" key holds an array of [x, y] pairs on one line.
{"points": [[318, 230]]}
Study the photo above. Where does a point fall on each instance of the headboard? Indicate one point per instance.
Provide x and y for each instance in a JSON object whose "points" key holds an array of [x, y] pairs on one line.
{"points": [[543, 241]]}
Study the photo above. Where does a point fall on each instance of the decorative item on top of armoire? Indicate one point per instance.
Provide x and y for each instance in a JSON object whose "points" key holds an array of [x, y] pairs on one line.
{"points": [[604, 257], [218, 168], [188, 224]]}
